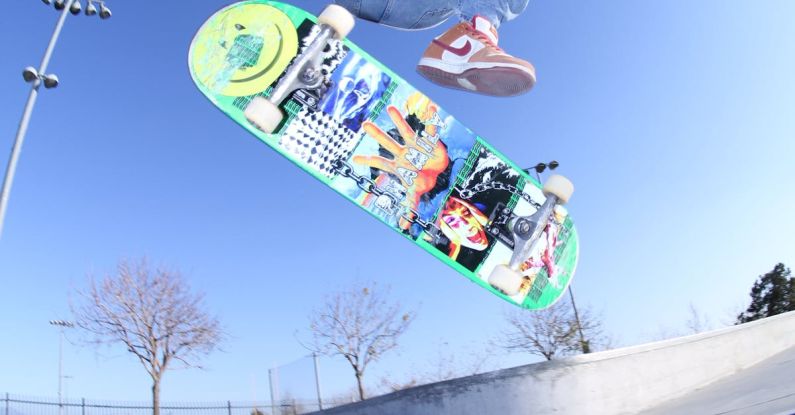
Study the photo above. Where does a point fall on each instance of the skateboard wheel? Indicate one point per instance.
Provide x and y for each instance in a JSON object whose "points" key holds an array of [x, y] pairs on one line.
{"points": [[559, 186], [264, 114], [505, 280], [338, 18]]}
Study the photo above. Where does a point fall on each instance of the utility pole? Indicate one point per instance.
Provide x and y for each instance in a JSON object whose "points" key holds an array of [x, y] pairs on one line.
{"points": [[61, 324], [317, 383]]}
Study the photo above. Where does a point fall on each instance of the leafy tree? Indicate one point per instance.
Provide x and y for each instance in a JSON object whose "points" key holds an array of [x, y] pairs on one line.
{"points": [[152, 314], [360, 324], [773, 293]]}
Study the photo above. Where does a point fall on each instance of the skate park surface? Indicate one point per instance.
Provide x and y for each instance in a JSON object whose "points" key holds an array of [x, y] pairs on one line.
{"points": [[745, 369]]}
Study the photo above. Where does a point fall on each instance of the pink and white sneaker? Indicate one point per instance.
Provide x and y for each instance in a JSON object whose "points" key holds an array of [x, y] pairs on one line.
{"points": [[467, 57]]}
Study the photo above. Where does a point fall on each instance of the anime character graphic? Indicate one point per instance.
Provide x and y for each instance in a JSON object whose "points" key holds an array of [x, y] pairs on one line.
{"points": [[357, 87], [545, 258], [485, 194], [464, 225]]}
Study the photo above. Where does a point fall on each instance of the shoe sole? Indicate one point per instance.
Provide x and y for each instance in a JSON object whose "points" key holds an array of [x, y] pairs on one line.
{"points": [[497, 81]]}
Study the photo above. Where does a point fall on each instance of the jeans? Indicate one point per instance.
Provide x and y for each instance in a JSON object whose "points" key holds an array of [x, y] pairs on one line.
{"points": [[423, 14]]}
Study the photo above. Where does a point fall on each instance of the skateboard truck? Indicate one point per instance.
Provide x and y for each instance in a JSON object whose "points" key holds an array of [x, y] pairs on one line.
{"points": [[304, 72], [527, 231]]}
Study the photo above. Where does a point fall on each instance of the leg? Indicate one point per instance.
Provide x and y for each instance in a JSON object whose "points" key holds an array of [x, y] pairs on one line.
{"points": [[497, 11], [402, 14]]}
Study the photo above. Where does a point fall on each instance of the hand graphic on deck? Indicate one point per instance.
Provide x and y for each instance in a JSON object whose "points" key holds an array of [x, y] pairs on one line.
{"points": [[418, 163]]}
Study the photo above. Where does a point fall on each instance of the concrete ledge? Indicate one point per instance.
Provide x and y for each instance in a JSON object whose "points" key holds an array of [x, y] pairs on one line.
{"points": [[620, 381]]}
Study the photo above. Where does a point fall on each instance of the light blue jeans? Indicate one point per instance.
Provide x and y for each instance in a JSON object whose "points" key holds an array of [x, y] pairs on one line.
{"points": [[423, 14]]}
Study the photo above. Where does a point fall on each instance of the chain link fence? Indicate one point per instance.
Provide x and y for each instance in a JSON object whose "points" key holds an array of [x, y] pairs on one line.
{"points": [[24, 405], [295, 389]]}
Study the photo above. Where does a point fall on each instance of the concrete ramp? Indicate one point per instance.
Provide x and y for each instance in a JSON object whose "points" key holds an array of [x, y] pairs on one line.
{"points": [[768, 388], [654, 377]]}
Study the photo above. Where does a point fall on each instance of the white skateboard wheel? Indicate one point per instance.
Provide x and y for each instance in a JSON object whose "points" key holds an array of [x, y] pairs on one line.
{"points": [[338, 18], [506, 280], [559, 186], [264, 114]]}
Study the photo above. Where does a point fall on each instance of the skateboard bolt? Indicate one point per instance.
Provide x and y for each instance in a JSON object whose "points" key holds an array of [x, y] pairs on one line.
{"points": [[310, 75], [523, 228]]}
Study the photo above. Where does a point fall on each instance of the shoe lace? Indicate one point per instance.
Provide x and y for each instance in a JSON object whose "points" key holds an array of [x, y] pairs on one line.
{"points": [[482, 37]]}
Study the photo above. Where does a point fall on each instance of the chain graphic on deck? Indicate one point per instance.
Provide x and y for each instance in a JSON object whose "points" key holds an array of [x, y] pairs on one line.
{"points": [[384, 199], [468, 192]]}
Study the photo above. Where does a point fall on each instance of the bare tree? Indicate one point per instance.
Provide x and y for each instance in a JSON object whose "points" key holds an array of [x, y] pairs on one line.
{"points": [[153, 314], [449, 365], [697, 322], [553, 332], [359, 324], [445, 365]]}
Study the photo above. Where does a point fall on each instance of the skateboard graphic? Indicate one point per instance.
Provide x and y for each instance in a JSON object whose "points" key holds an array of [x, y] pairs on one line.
{"points": [[316, 98]]}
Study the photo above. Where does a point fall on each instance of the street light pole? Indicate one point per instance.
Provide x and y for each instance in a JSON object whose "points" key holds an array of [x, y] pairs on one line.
{"points": [[584, 345], [61, 324], [23, 125], [36, 78], [317, 383]]}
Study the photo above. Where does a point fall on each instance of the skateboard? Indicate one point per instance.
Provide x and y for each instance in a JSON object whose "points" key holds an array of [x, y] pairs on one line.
{"points": [[299, 85]]}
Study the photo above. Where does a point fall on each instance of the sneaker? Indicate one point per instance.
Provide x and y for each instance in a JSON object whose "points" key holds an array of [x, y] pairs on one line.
{"points": [[467, 57]]}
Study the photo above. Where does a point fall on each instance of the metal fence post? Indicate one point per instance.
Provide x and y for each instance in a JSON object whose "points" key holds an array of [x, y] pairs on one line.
{"points": [[6, 403], [83, 406], [229, 407]]}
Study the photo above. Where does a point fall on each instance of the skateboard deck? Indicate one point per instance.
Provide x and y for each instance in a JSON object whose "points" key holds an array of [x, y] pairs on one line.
{"points": [[386, 147]]}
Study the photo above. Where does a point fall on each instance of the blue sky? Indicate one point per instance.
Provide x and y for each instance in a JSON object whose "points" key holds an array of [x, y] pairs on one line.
{"points": [[675, 121]]}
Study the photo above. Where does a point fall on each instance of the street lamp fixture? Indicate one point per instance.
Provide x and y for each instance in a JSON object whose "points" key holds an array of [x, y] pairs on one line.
{"points": [[75, 8], [50, 80], [30, 74], [541, 167], [104, 11]]}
